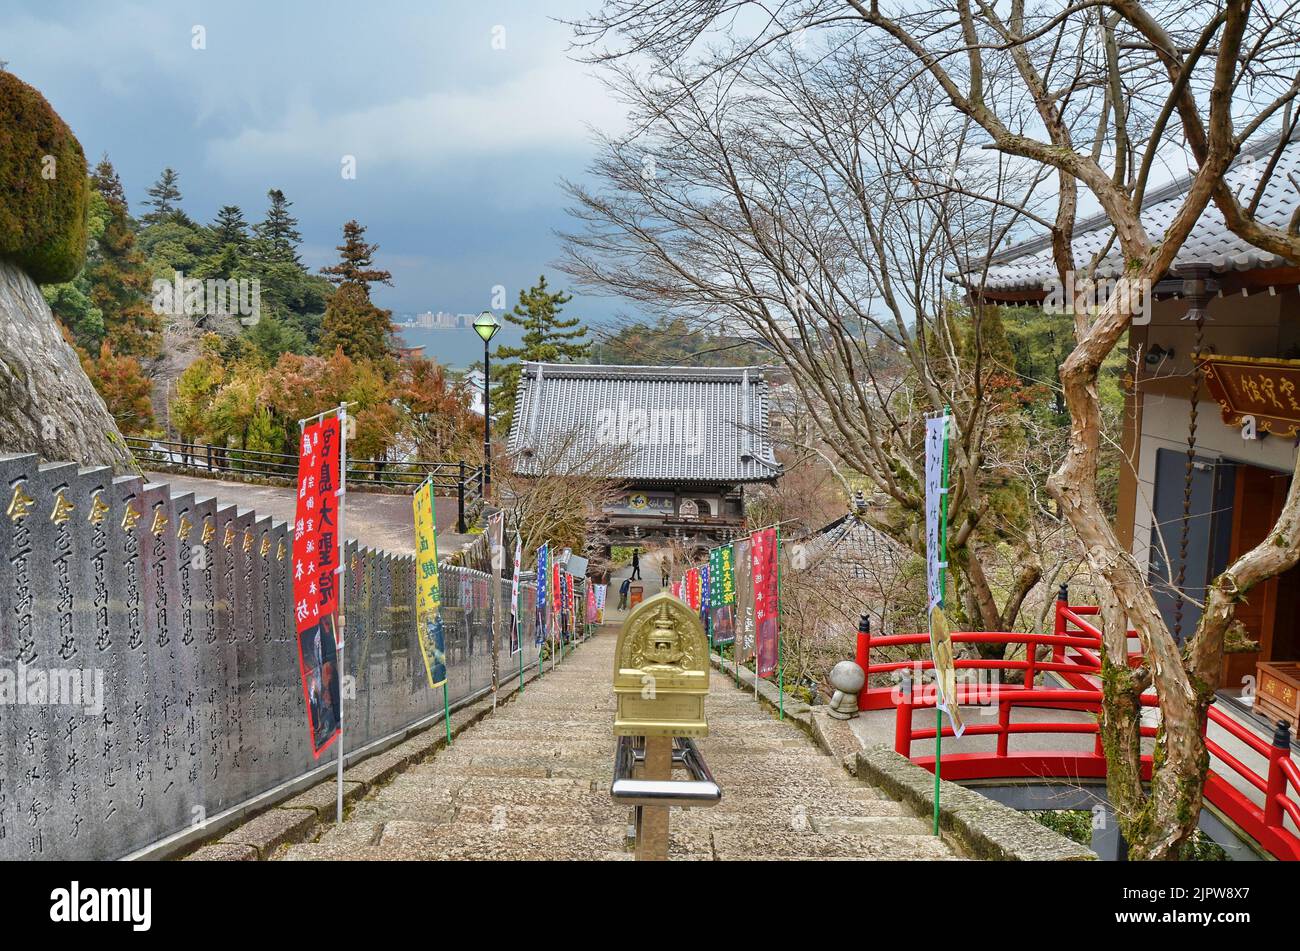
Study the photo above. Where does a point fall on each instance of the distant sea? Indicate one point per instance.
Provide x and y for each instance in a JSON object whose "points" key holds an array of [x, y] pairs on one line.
{"points": [[457, 348]]}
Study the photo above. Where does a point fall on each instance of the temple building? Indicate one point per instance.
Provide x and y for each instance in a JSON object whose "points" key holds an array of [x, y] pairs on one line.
{"points": [[1239, 308], [681, 443]]}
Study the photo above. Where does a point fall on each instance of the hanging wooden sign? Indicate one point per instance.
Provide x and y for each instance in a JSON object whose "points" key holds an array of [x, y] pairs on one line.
{"points": [[1259, 387]]}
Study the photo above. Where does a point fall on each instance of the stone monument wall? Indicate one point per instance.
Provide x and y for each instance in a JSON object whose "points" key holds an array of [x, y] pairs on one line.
{"points": [[149, 673]]}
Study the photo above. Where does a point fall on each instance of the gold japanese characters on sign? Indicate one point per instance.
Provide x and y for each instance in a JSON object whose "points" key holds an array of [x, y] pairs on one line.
{"points": [[661, 671], [98, 509], [1259, 387], [63, 509], [19, 504]]}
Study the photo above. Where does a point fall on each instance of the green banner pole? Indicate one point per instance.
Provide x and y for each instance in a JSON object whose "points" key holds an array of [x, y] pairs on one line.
{"points": [[446, 711]]}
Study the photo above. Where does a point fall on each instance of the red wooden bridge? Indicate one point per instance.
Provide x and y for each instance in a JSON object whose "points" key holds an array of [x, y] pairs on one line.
{"points": [[1263, 800]]}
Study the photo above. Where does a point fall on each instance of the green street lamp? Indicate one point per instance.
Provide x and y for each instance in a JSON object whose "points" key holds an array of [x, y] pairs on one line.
{"points": [[486, 326]]}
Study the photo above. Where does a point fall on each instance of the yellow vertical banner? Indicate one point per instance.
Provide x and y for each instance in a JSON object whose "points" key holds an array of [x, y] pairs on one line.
{"points": [[428, 597]]}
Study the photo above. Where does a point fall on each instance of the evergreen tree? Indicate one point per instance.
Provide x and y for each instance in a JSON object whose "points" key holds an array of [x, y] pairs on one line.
{"points": [[105, 181], [352, 323], [109, 299], [164, 197], [358, 328], [547, 338], [230, 228], [278, 235], [355, 264]]}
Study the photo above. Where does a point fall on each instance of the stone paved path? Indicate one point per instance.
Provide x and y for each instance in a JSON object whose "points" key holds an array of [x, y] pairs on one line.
{"points": [[531, 781]]}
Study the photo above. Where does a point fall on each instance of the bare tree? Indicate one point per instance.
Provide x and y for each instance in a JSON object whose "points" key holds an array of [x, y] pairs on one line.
{"points": [[562, 499], [1089, 97], [814, 210]]}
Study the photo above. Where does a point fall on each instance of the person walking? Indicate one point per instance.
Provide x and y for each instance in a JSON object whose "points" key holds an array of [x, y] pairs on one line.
{"points": [[622, 593], [665, 571], [636, 564]]}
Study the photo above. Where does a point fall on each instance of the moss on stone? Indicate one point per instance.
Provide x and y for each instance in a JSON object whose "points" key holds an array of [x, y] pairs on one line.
{"points": [[44, 191]]}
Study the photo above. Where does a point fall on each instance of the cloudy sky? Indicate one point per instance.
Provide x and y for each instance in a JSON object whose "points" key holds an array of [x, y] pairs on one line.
{"points": [[458, 143]]}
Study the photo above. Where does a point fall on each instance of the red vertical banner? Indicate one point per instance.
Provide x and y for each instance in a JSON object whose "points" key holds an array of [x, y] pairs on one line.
{"points": [[557, 602], [315, 585], [766, 594], [693, 589]]}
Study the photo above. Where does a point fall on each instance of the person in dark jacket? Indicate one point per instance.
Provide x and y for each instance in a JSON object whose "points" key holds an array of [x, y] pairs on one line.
{"points": [[636, 564], [622, 593]]}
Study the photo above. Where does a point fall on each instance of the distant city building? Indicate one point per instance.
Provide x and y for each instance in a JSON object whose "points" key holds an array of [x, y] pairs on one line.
{"points": [[442, 320]]}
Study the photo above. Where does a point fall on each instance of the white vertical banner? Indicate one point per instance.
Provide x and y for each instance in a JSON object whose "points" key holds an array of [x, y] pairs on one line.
{"points": [[936, 434], [936, 550]]}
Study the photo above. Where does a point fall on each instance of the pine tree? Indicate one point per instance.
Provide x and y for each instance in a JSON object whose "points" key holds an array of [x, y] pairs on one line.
{"points": [[352, 323], [164, 197], [105, 181], [355, 265], [547, 339], [358, 328], [230, 228], [277, 235]]}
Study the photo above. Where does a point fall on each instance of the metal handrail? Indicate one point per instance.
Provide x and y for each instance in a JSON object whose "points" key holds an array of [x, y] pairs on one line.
{"points": [[700, 790]]}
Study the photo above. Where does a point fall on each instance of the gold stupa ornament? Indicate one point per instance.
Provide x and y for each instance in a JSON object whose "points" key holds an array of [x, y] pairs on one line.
{"points": [[661, 672]]}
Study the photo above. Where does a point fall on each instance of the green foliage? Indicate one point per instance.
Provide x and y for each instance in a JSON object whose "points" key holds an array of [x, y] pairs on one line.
{"points": [[44, 192], [356, 327], [548, 338], [277, 236], [1076, 825], [108, 299], [230, 228], [165, 199], [1040, 342]]}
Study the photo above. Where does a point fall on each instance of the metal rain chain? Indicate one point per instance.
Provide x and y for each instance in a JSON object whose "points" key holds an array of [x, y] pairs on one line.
{"points": [[1196, 286]]}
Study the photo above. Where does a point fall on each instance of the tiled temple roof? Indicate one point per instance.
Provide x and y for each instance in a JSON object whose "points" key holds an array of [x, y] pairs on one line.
{"points": [[1028, 266], [678, 424]]}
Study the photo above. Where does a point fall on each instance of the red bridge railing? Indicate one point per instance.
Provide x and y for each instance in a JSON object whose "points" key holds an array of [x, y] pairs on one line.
{"points": [[1075, 654]]}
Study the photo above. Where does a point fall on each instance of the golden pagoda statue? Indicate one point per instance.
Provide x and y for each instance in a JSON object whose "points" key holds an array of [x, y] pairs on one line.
{"points": [[661, 671]]}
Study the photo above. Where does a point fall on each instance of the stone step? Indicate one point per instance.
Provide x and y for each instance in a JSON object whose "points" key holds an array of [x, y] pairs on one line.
{"points": [[734, 843], [532, 779]]}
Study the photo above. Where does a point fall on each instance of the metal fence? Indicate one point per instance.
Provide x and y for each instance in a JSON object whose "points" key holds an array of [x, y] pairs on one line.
{"points": [[458, 480], [181, 610]]}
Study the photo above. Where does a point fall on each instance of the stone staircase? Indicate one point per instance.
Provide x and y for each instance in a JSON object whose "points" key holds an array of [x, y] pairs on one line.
{"points": [[532, 780]]}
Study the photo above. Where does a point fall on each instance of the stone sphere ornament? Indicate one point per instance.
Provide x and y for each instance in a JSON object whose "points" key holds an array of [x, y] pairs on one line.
{"points": [[848, 679]]}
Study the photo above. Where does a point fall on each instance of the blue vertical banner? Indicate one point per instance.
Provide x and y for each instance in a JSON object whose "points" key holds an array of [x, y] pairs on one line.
{"points": [[543, 575], [705, 602]]}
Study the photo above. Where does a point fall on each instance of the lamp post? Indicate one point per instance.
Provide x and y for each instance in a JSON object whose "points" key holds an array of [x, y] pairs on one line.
{"points": [[486, 326]]}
